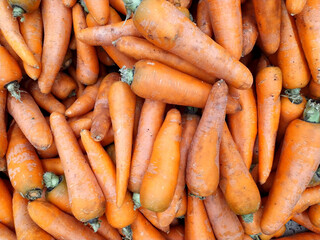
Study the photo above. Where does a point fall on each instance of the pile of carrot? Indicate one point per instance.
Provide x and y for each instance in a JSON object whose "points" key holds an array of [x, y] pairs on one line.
{"points": [[155, 119]]}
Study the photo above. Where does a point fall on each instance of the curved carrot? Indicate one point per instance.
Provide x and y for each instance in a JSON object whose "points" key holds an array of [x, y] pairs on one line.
{"points": [[59, 224], [81, 124], [302, 236], [202, 173], [268, 87], [150, 122], [176, 233], [10, 29], [295, 6], [244, 137], [139, 49], [286, 190], [30, 120], [52, 165], [85, 195], [304, 220], [69, 3], [63, 86], [57, 21], [6, 233], [21, 156], [103, 56], [224, 222], [197, 225], [3, 125], [203, 18], [32, 30], [314, 214], [87, 60], [99, 10], [6, 215]]}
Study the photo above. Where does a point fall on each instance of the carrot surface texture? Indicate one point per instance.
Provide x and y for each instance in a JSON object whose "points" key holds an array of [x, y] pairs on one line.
{"points": [[6, 214], [3, 127]]}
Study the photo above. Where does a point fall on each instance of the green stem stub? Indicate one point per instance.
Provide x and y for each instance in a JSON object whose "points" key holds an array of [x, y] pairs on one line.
{"points": [[126, 75], [248, 218], [131, 6], [83, 4], [200, 197], [51, 180], [33, 194], [294, 95], [312, 112], [94, 224], [13, 89], [136, 201], [127, 232]]}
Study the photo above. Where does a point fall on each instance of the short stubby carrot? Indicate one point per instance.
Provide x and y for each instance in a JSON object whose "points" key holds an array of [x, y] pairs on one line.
{"points": [[295, 6], [63, 86], [3, 125], [6, 215], [203, 18]]}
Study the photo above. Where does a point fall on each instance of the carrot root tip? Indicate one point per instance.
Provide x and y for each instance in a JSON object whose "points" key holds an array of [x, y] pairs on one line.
{"points": [[51, 180], [127, 232], [126, 75], [94, 224], [13, 89], [136, 201], [33, 194], [312, 112], [248, 218]]}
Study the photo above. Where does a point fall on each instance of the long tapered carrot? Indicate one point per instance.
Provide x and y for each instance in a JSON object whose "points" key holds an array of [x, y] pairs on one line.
{"points": [[21, 156], [101, 121], [52, 165], [314, 214], [57, 21], [268, 17], [302, 135], [203, 52], [203, 18], [7, 46], [87, 60], [25, 228], [268, 87], [59, 224], [6, 233], [99, 10], [224, 222], [30, 120], [295, 6], [122, 106], [10, 28], [139, 49], [197, 224], [244, 137], [3, 127], [6, 215], [150, 122], [86, 197], [63, 86], [202, 172], [304, 220]]}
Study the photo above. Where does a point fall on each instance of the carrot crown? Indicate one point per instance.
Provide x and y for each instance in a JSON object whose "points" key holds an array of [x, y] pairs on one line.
{"points": [[18, 12], [83, 4], [312, 112], [127, 75], [127, 232], [136, 201], [51, 180], [248, 218], [131, 6], [13, 89], [293, 95]]}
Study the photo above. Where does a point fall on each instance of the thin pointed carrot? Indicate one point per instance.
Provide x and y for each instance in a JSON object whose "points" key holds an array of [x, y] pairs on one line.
{"points": [[6, 215]]}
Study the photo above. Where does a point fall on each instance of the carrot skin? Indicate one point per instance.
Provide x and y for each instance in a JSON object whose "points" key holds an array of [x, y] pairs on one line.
{"points": [[302, 236], [203, 18], [6, 214], [63, 86], [313, 214], [295, 6], [3, 127], [6, 233], [52, 165], [99, 10]]}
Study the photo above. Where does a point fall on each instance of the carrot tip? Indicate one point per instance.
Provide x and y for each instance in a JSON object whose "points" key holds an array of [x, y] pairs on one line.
{"points": [[136, 201], [33, 194], [127, 232]]}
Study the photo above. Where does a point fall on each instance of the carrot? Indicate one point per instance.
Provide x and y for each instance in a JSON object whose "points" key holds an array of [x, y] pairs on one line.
{"points": [[244, 137], [107, 231], [7, 46], [302, 236], [203, 18], [139, 49], [57, 21], [3, 127], [214, 59], [69, 3], [52, 165], [247, 237], [104, 171], [309, 197], [189, 124], [249, 28], [279, 233], [31, 121], [176, 233], [295, 6], [181, 3], [119, 6], [21, 156], [85, 102], [87, 60], [101, 121], [292, 106], [236, 182], [152, 217], [111, 152], [291, 59], [150, 122], [69, 101], [137, 113], [6, 233], [313, 214], [182, 207], [6, 215], [314, 89], [10, 30], [19, 7], [197, 225], [225, 224], [78, 125], [63, 86], [80, 86], [202, 173], [57, 223], [122, 106], [268, 17], [304, 220], [265, 188], [307, 23], [99, 10], [286, 189], [103, 56], [268, 87], [25, 228], [51, 151], [31, 30], [85, 195]]}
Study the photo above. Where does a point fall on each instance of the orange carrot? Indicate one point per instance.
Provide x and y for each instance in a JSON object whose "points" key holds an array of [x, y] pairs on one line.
{"points": [[103, 56], [80, 86], [304, 220], [203, 18], [182, 207], [137, 113], [78, 125], [52, 165], [314, 90], [6, 45], [51, 151], [279, 233], [176, 233], [265, 188], [3, 127], [151, 216], [69, 101], [181, 3], [99, 10], [6, 215], [67, 60], [63, 86], [313, 214], [302, 236], [23, 6], [69, 3], [295, 6], [119, 6], [309, 197], [6, 233]]}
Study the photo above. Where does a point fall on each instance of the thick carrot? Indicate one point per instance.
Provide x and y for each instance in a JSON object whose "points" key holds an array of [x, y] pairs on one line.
{"points": [[314, 214], [57, 21], [227, 25], [32, 30], [25, 228], [244, 137], [187, 41], [87, 60], [59, 224], [268, 87], [63, 86], [52, 165], [150, 122], [30, 120], [287, 189], [224, 222], [85, 102], [122, 103], [295, 6], [101, 121], [307, 23], [176, 233], [103, 56], [304, 220], [85, 195], [189, 124], [291, 59], [21, 156], [69, 3], [139, 49], [197, 224], [9, 26], [302, 236], [6, 215], [6, 233], [3, 126], [99, 10], [78, 125], [163, 168], [202, 173], [203, 18]]}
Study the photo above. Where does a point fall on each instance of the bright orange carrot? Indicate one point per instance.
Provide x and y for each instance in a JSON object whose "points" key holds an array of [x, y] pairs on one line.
{"points": [[52, 165], [313, 214], [69, 3], [314, 90], [304, 220], [3, 127], [103, 56], [202, 173], [6, 233], [203, 18], [309, 197], [6, 215], [51, 151], [78, 125], [182, 205], [176, 233], [80, 87], [7, 46], [107, 231], [57, 21], [23, 6], [152, 217], [99, 10], [302, 236], [295, 6], [63, 86]]}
